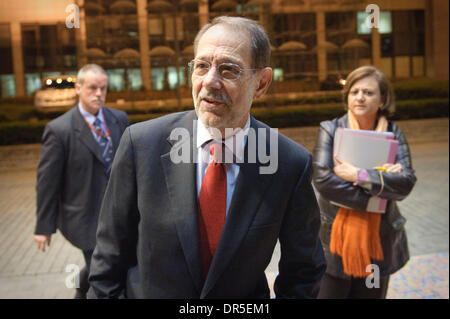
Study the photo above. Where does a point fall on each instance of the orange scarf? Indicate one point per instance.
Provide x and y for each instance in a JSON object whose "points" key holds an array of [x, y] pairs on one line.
{"points": [[355, 235]]}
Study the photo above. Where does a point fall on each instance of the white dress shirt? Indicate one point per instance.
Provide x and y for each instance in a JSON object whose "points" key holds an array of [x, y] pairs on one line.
{"points": [[91, 118], [204, 158]]}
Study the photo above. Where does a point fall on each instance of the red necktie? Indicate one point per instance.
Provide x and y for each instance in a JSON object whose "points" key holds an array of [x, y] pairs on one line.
{"points": [[212, 204]]}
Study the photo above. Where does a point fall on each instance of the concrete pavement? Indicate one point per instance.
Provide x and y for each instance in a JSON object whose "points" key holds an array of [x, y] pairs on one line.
{"points": [[26, 272]]}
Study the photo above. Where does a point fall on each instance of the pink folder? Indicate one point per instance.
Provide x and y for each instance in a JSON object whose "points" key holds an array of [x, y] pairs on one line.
{"points": [[366, 149]]}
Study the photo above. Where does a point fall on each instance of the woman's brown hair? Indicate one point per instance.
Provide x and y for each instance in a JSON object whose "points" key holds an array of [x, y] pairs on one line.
{"points": [[385, 86]]}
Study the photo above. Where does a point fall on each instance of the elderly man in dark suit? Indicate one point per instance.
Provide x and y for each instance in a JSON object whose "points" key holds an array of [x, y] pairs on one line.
{"points": [[179, 221], [77, 153]]}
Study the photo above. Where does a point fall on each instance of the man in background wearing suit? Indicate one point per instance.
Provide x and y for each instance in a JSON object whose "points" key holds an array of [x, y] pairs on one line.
{"points": [[77, 153], [202, 227]]}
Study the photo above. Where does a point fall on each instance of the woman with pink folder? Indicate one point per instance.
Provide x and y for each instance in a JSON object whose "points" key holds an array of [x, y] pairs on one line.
{"points": [[362, 248]]}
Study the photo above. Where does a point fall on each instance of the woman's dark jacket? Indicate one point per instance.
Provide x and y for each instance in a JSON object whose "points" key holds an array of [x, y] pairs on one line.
{"points": [[329, 187]]}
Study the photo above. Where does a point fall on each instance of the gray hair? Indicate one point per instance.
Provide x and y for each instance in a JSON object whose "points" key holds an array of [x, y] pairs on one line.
{"points": [[94, 68], [260, 44]]}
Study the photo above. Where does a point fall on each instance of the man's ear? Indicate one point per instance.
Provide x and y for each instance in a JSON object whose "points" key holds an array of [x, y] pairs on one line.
{"points": [[77, 88], [265, 78]]}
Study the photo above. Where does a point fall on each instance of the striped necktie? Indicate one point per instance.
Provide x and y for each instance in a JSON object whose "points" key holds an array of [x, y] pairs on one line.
{"points": [[105, 144]]}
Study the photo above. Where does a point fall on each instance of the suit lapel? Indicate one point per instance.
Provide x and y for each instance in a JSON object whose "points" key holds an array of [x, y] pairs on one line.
{"points": [[248, 194], [84, 133], [181, 186]]}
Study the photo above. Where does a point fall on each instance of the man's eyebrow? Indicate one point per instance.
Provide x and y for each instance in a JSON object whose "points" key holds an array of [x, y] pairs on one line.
{"points": [[221, 60], [229, 60], [97, 86]]}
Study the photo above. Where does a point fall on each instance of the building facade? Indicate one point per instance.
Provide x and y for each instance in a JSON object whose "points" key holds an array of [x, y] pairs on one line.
{"points": [[145, 45]]}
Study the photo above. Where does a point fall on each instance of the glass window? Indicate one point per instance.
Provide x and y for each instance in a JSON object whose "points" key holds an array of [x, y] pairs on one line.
{"points": [[158, 78], [48, 47], [173, 77], [46, 74], [155, 26], [116, 79], [354, 48], [384, 23], [386, 45], [169, 28], [134, 79], [5, 49], [278, 74], [7, 85], [340, 26], [294, 27], [32, 82], [409, 33]]}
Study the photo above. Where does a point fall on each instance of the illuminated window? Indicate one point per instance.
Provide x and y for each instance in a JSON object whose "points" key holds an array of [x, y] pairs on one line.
{"points": [[33, 82], [384, 23], [7, 85], [172, 77], [115, 79], [278, 74], [134, 79], [158, 78]]}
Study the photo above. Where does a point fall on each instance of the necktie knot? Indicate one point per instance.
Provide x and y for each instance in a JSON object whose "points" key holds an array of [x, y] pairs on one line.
{"points": [[217, 150], [97, 124]]}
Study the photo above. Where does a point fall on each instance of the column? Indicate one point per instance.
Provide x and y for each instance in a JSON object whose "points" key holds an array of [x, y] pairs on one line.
{"points": [[144, 43], [80, 36], [264, 16], [203, 12], [440, 39], [376, 48], [17, 57], [321, 49], [429, 50]]}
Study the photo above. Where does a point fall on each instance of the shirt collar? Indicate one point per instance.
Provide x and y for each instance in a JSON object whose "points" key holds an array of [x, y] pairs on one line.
{"points": [[237, 139], [90, 117]]}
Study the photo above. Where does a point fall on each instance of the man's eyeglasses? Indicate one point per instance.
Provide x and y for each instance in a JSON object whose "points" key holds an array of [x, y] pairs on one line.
{"points": [[227, 71]]}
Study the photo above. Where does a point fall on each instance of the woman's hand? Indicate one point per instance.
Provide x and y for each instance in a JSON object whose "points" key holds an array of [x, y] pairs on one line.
{"points": [[393, 168], [345, 170]]}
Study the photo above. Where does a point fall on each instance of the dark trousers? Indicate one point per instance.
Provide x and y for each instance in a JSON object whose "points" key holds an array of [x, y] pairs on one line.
{"points": [[84, 274], [355, 288]]}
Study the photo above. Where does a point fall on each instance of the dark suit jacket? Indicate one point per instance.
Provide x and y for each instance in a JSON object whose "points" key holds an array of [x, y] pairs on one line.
{"points": [[147, 240], [71, 176]]}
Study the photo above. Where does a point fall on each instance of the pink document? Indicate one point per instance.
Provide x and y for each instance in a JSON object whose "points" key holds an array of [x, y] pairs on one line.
{"points": [[366, 149]]}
